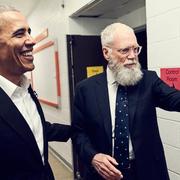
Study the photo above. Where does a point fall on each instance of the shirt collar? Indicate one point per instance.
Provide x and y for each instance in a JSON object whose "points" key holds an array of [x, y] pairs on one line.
{"points": [[10, 88], [110, 77]]}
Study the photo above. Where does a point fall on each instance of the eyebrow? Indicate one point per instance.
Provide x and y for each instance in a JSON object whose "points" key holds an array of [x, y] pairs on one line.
{"points": [[21, 30]]}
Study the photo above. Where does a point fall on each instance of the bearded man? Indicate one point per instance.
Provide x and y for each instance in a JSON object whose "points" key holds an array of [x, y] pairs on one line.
{"points": [[115, 124]]}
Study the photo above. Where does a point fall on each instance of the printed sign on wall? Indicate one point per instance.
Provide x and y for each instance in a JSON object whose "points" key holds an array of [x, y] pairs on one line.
{"points": [[171, 76], [93, 70]]}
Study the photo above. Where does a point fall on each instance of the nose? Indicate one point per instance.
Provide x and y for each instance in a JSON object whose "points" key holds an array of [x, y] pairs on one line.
{"points": [[30, 40], [132, 54]]}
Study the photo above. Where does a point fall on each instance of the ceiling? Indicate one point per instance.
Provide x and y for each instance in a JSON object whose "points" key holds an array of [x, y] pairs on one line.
{"points": [[96, 8], [25, 6], [109, 8]]}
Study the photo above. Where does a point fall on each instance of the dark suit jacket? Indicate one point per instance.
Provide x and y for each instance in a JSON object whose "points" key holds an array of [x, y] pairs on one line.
{"points": [[93, 129], [20, 157]]}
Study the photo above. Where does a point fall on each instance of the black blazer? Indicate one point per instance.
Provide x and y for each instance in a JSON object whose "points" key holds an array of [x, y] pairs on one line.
{"points": [[93, 128], [20, 157]]}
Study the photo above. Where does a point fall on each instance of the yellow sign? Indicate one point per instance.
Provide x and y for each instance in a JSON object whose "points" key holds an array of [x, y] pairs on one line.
{"points": [[93, 70]]}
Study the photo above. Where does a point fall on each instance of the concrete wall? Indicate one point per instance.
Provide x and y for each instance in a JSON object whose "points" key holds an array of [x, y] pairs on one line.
{"points": [[163, 34]]}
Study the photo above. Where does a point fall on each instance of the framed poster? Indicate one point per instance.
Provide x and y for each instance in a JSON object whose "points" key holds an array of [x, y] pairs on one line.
{"points": [[46, 76]]}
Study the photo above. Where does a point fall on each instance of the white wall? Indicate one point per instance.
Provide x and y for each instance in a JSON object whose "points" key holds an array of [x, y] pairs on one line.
{"points": [[93, 26], [55, 18], [52, 16], [73, 6], [135, 19], [163, 34]]}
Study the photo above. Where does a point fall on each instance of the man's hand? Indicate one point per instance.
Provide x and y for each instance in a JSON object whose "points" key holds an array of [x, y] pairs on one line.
{"points": [[104, 165]]}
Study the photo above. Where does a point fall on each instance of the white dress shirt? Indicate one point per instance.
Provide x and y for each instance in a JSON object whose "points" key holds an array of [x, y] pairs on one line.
{"points": [[27, 107], [112, 90]]}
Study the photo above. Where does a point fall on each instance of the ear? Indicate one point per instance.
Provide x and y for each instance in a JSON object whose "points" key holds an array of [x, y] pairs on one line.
{"points": [[106, 52]]}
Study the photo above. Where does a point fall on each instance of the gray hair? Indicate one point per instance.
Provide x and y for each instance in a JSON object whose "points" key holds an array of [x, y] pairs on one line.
{"points": [[6, 8], [107, 35]]}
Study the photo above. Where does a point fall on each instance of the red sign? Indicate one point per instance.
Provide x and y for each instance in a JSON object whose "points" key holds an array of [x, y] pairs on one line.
{"points": [[171, 76]]}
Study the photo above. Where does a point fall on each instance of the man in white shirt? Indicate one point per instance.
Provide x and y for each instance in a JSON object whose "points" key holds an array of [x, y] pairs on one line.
{"points": [[95, 105], [24, 133]]}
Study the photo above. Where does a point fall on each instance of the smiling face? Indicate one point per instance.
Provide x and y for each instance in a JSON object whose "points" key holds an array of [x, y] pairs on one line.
{"points": [[16, 45]]}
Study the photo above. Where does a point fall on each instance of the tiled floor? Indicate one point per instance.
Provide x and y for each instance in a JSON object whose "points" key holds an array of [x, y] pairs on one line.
{"points": [[61, 172]]}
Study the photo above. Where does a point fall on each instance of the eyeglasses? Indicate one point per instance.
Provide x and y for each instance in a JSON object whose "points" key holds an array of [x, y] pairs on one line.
{"points": [[127, 50]]}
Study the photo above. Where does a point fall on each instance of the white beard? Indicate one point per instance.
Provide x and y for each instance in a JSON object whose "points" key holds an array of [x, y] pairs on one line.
{"points": [[126, 76]]}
